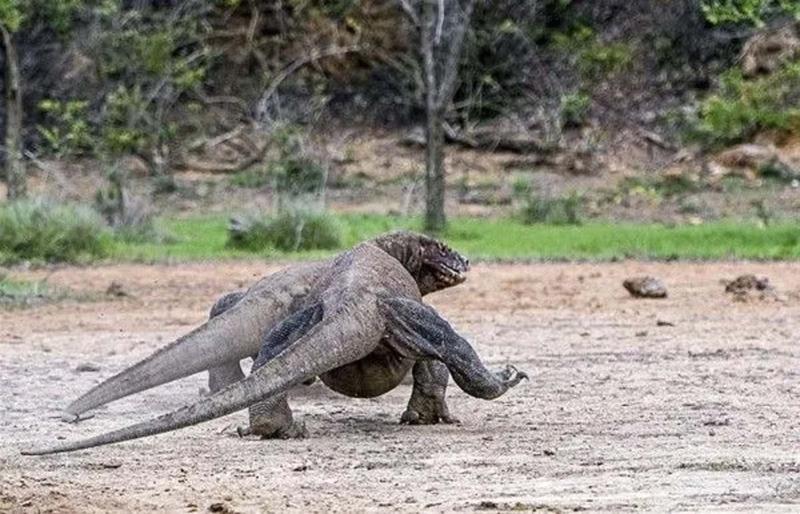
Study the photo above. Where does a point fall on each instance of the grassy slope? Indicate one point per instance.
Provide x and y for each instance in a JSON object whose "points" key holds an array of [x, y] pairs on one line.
{"points": [[204, 238]]}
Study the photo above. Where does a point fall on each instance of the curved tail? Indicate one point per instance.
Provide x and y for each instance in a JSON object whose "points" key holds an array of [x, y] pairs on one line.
{"points": [[327, 345], [233, 335]]}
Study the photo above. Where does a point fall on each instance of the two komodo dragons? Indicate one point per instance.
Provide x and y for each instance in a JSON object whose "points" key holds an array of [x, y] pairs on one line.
{"points": [[357, 322]]}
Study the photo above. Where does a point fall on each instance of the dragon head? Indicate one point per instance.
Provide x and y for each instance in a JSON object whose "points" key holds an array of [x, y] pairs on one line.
{"points": [[433, 264]]}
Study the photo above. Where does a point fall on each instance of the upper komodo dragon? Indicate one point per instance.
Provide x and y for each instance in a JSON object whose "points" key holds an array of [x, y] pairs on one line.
{"points": [[359, 325]]}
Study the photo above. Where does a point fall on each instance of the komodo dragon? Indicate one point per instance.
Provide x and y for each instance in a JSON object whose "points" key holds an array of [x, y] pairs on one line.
{"points": [[360, 328], [220, 344]]}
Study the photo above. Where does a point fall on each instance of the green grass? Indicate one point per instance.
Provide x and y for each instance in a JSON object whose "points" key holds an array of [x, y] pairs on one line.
{"points": [[25, 293], [204, 238]]}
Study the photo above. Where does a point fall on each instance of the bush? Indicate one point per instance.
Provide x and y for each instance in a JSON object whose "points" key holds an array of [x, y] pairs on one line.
{"points": [[291, 230], [563, 210], [743, 108], [575, 109], [41, 230]]}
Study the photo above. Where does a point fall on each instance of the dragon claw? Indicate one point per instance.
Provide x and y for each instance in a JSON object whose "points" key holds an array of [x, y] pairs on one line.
{"points": [[511, 376]]}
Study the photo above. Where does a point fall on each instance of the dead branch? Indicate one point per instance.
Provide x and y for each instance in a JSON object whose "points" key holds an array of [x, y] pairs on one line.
{"points": [[288, 70], [409, 10]]}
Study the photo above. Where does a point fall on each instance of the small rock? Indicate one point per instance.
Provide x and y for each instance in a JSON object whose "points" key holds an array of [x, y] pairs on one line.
{"points": [[116, 289], [87, 367], [746, 283], [746, 288], [645, 287], [662, 323]]}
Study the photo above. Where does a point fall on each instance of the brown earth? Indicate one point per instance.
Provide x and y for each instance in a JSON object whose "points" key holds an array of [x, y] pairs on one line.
{"points": [[686, 403]]}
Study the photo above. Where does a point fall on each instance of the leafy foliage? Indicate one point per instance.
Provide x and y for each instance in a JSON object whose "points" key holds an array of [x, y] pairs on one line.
{"points": [[575, 109], [743, 107], [561, 210], [747, 11], [11, 15], [68, 133], [290, 230], [44, 231]]}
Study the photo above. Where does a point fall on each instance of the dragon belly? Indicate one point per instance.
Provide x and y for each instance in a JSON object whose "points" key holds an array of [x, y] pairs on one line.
{"points": [[377, 373]]}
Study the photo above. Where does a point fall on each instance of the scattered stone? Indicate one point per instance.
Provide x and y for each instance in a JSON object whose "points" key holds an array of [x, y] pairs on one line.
{"points": [[116, 289], [750, 287], [87, 367], [220, 507], [746, 283], [645, 287]]}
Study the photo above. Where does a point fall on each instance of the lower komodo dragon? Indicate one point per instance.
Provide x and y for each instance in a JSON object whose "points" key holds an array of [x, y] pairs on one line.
{"points": [[356, 321]]}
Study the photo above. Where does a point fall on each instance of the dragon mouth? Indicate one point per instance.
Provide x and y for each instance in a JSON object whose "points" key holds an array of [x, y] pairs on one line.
{"points": [[449, 275]]}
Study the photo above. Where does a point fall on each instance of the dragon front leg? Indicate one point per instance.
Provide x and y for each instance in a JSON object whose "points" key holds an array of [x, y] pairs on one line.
{"points": [[419, 330], [427, 405]]}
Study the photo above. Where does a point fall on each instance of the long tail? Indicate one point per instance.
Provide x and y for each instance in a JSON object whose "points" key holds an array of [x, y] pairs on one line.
{"points": [[330, 344], [235, 334]]}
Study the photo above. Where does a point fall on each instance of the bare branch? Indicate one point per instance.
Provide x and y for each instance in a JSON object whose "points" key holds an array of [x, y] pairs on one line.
{"points": [[409, 10], [448, 82], [439, 24], [315, 55]]}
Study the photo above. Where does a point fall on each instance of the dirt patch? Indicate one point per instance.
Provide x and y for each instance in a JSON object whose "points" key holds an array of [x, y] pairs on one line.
{"points": [[686, 403]]}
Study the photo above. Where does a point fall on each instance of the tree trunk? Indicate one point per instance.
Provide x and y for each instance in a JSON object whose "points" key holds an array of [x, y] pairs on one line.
{"points": [[435, 219], [14, 170]]}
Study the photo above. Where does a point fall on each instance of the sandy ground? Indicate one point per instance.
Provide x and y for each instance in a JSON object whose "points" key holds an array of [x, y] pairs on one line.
{"points": [[622, 412]]}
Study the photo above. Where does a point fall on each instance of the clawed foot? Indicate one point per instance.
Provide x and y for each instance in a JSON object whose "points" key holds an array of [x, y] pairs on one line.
{"points": [[511, 376], [413, 417], [296, 430]]}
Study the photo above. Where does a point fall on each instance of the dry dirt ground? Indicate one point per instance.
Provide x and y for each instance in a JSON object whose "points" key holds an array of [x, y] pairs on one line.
{"points": [[683, 404]]}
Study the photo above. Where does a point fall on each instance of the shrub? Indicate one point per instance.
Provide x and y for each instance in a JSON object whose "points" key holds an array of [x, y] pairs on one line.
{"points": [[68, 132], [575, 109], [130, 217], [290, 230], [26, 293], [297, 174], [252, 178], [563, 210], [742, 108], [41, 230]]}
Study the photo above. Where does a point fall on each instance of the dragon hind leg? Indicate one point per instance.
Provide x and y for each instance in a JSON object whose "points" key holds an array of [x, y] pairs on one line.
{"points": [[272, 418]]}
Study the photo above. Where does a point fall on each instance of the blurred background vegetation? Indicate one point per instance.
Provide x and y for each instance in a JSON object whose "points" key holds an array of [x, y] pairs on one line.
{"points": [[596, 129]]}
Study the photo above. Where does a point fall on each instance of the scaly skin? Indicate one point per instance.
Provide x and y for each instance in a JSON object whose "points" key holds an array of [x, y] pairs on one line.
{"points": [[237, 332], [361, 328]]}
